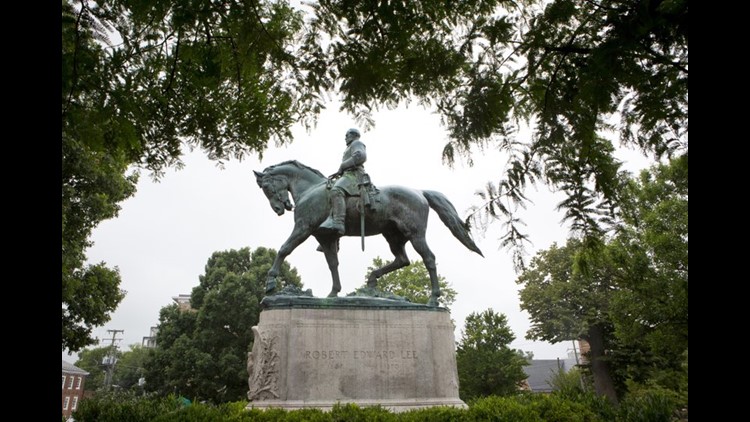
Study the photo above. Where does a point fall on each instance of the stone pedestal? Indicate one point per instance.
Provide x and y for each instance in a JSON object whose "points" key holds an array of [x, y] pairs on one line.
{"points": [[318, 355]]}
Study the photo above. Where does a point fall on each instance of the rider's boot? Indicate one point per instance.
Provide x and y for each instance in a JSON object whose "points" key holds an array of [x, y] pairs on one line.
{"points": [[335, 222]]}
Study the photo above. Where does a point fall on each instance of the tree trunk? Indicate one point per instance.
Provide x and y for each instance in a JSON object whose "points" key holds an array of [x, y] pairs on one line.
{"points": [[603, 383]]}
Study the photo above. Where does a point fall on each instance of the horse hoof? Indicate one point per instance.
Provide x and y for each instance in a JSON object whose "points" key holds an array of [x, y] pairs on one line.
{"points": [[270, 286], [432, 302], [333, 294]]}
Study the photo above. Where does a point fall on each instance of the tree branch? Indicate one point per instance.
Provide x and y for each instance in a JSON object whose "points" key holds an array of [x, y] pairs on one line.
{"points": [[174, 64], [74, 75], [660, 58]]}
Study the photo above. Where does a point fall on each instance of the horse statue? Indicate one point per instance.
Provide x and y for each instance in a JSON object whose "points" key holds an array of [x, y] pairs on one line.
{"points": [[399, 214]]}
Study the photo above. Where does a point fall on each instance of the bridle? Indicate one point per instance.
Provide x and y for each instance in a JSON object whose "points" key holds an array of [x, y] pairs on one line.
{"points": [[279, 195]]}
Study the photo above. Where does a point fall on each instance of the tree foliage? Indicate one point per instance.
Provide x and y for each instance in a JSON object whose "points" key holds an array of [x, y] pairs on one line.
{"points": [[131, 367], [650, 252], [91, 360], [412, 282], [140, 81], [93, 183], [631, 299], [486, 364], [568, 68], [201, 352], [565, 303], [128, 369], [145, 77], [143, 80]]}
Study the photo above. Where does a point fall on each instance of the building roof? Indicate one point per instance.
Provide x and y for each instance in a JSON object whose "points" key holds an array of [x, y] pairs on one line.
{"points": [[540, 371], [72, 369]]}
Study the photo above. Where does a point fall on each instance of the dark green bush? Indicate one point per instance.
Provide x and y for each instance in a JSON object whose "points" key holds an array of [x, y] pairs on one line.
{"points": [[494, 408], [125, 407], [560, 409], [652, 405], [352, 413], [435, 414], [648, 404]]}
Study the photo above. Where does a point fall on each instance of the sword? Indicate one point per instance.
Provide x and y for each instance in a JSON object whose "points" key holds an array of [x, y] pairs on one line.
{"points": [[362, 214], [364, 203]]}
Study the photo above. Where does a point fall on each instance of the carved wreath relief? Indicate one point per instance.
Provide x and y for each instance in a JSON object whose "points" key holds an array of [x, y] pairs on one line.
{"points": [[263, 366]]}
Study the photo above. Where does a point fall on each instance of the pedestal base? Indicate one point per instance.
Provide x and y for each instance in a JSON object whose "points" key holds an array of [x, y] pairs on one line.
{"points": [[399, 358]]}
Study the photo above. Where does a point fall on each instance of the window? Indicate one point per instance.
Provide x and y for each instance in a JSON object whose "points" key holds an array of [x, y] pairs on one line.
{"points": [[63, 381], [78, 384], [65, 404], [70, 384], [75, 403]]}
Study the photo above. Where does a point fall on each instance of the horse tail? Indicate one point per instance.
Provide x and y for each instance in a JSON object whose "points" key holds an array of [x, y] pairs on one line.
{"points": [[448, 215]]}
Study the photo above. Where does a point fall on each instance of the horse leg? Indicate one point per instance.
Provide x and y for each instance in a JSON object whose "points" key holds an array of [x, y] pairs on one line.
{"points": [[420, 245], [329, 246], [298, 236], [396, 243]]}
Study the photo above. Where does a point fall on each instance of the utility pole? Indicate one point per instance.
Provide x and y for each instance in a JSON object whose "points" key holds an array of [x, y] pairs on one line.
{"points": [[109, 360]]}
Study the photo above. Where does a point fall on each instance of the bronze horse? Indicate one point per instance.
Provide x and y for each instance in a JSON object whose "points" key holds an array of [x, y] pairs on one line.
{"points": [[400, 215]]}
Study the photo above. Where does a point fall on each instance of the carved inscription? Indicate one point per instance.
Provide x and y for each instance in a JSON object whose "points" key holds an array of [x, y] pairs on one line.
{"points": [[359, 354]]}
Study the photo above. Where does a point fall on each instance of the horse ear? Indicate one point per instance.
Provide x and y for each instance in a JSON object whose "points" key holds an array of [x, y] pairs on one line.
{"points": [[258, 177]]}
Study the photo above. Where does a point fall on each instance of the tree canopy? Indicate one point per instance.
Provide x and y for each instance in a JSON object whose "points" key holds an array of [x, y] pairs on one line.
{"points": [[486, 363], [650, 253], [575, 71], [128, 369], [412, 282], [201, 352], [141, 81], [91, 360], [567, 304], [631, 299]]}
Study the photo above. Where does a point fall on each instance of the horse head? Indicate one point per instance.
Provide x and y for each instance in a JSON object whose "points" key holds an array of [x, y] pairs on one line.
{"points": [[276, 189]]}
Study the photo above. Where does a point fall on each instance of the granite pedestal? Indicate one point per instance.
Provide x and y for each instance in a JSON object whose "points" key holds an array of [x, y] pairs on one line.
{"points": [[327, 351]]}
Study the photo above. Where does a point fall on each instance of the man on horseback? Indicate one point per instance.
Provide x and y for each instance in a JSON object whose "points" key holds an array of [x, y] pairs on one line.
{"points": [[350, 174]]}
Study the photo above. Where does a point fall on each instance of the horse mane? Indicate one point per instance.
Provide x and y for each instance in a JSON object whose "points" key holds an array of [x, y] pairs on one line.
{"points": [[296, 164]]}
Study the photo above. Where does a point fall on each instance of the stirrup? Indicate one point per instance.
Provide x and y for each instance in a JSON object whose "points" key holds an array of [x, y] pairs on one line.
{"points": [[331, 226]]}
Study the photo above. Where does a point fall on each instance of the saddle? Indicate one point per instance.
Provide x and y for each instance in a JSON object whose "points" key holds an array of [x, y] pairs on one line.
{"points": [[369, 194]]}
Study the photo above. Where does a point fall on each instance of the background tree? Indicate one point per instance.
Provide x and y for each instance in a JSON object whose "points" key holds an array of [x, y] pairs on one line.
{"points": [[630, 301], [90, 360], [567, 304], [412, 282], [89, 294], [486, 364], [201, 353], [131, 367], [650, 252]]}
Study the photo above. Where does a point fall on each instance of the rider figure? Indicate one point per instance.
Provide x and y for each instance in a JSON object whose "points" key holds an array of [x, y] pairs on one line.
{"points": [[350, 171]]}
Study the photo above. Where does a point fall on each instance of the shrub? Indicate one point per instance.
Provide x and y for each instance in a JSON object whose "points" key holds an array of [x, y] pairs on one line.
{"points": [[125, 406], [560, 409], [350, 412], [653, 404], [435, 414], [494, 408]]}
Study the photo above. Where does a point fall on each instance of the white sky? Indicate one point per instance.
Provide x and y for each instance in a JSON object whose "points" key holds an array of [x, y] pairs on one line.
{"points": [[166, 232]]}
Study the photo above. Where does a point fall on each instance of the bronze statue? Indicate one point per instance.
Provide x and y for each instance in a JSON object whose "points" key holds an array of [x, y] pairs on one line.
{"points": [[350, 176], [398, 213]]}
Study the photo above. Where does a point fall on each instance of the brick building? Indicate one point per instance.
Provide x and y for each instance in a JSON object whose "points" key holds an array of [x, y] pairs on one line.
{"points": [[73, 381]]}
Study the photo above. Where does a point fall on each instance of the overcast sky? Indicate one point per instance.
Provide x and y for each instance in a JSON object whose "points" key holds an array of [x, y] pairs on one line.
{"points": [[166, 232]]}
